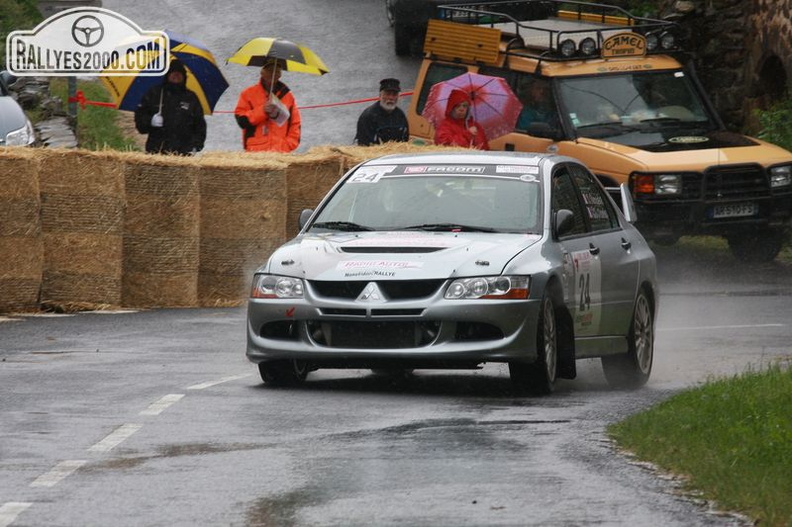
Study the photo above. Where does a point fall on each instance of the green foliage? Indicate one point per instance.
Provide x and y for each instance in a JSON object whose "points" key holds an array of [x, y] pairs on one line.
{"points": [[97, 126], [15, 15], [731, 438], [776, 124]]}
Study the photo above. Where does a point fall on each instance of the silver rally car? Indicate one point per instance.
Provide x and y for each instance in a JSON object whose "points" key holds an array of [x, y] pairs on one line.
{"points": [[452, 260]]}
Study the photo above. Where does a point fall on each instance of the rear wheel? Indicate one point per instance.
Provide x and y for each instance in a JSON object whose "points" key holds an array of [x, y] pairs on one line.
{"points": [[632, 369], [283, 372], [538, 377], [762, 246]]}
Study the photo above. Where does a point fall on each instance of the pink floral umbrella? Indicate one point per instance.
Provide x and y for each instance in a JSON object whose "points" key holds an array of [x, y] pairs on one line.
{"points": [[493, 103]]}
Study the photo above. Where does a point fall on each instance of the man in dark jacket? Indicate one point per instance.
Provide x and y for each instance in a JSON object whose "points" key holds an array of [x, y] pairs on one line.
{"points": [[171, 115], [383, 121]]}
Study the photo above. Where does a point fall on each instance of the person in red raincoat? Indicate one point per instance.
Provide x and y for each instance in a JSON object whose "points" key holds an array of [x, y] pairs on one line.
{"points": [[459, 128], [268, 123]]}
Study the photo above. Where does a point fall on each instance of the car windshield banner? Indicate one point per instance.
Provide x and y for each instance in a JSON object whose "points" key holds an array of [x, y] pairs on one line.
{"points": [[87, 41]]}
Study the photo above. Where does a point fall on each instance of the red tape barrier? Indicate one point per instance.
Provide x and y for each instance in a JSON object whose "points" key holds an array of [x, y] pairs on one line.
{"points": [[80, 99]]}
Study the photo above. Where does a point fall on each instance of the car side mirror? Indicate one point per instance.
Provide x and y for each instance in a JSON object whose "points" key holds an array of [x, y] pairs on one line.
{"points": [[305, 215], [564, 222]]}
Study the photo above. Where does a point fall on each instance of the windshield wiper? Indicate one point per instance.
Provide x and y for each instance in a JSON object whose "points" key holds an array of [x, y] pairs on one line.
{"points": [[448, 227], [341, 226]]}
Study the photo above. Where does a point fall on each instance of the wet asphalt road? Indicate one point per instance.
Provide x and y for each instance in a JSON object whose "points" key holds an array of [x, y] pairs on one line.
{"points": [[155, 418], [352, 37]]}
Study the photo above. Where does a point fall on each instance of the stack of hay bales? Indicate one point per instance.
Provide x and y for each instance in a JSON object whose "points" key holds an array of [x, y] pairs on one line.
{"points": [[243, 219], [21, 245], [161, 231], [308, 178], [82, 219]]}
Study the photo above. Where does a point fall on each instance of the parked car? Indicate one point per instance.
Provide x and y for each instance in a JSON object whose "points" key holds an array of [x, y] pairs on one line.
{"points": [[15, 128], [409, 18], [451, 260]]}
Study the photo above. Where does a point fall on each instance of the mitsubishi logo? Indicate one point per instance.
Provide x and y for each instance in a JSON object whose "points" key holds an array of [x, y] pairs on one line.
{"points": [[371, 293]]}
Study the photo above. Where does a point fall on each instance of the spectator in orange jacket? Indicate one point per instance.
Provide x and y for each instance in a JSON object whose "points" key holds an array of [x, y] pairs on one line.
{"points": [[458, 128], [268, 114]]}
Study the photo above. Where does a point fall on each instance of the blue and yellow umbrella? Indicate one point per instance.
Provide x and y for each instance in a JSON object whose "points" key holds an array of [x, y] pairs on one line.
{"points": [[203, 76]]}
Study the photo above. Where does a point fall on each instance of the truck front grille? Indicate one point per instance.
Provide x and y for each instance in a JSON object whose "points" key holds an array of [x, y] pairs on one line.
{"points": [[737, 181]]}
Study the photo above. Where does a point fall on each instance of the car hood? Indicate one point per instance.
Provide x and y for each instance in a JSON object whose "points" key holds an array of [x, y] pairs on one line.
{"points": [[601, 155], [399, 255], [11, 116]]}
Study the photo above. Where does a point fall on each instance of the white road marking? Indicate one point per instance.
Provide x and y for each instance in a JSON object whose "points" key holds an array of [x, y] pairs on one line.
{"points": [[9, 512], [57, 473], [158, 407], [115, 438], [707, 328], [209, 384]]}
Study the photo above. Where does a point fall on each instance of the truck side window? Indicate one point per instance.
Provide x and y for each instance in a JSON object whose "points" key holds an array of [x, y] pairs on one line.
{"points": [[437, 73], [538, 103]]}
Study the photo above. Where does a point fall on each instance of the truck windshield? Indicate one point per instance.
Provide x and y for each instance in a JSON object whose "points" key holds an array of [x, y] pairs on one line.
{"points": [[634, 108]]}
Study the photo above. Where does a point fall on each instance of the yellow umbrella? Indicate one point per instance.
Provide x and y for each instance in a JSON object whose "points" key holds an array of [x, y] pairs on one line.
{"points": [[297, 57]]}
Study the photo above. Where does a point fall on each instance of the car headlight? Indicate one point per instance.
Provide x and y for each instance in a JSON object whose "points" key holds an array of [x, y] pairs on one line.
{"points": [[273, 286], [781, 176], [22, 137], [491, 287]]}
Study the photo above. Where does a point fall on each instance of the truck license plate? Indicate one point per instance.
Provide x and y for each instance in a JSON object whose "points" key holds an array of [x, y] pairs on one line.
{"points": [[734, 210]]}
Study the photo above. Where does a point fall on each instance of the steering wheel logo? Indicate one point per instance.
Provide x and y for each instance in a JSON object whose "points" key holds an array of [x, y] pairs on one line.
{"points": [[87, 31]]}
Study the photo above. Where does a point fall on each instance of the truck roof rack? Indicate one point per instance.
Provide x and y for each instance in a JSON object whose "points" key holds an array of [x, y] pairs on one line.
{"points": [[558, 30]]}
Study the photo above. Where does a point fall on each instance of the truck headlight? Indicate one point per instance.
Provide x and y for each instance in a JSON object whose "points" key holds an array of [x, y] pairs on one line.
{"points": [[274, 286], [781, 176], [668, 184], [657, 184], [489, 287]]}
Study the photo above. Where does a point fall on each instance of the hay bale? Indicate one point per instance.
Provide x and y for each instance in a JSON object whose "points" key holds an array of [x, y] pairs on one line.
{"points": [[161, 231], [21, 245], [308, 178], [82, 212], [243, 212]]}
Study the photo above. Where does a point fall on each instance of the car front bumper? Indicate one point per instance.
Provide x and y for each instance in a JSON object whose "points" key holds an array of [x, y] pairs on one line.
{"points": [[348, 334]]}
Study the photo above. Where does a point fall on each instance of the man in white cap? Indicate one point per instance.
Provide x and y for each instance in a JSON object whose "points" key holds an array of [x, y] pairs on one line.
{"points": [[383, 121]]}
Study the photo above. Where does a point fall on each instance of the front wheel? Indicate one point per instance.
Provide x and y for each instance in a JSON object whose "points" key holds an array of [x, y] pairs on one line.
{"points": [[632, 369], [283, 372], [538, 377], [759, 247]]}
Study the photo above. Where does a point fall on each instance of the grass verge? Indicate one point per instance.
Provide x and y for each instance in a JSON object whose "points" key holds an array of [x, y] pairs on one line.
{"points": [[731, 440], [97, 127]]}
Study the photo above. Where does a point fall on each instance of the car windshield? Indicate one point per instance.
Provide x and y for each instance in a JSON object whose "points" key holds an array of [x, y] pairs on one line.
{"points": [[388, 198], [634, 108]]}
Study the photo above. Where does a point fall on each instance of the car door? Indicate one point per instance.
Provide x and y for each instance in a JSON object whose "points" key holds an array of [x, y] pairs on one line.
{"points": [[583, 266], [617, 267]]}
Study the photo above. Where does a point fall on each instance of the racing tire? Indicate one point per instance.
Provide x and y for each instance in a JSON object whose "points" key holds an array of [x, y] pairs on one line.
{"points": [[631, 370], [538, 377], [283, 372], [762, 246]]}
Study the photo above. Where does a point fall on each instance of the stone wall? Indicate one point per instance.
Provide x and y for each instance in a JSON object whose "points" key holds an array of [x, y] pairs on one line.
{"points": [[742, 52]]}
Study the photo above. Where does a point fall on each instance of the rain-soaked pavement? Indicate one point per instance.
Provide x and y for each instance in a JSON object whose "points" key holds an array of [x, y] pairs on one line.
{"points": [[156, 418]]}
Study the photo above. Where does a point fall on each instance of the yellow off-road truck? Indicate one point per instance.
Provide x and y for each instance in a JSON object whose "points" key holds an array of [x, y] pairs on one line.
{"points": [[614, 91]]}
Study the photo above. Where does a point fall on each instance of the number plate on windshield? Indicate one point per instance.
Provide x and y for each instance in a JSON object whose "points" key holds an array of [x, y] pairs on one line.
{"points": [[734, 210]]}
